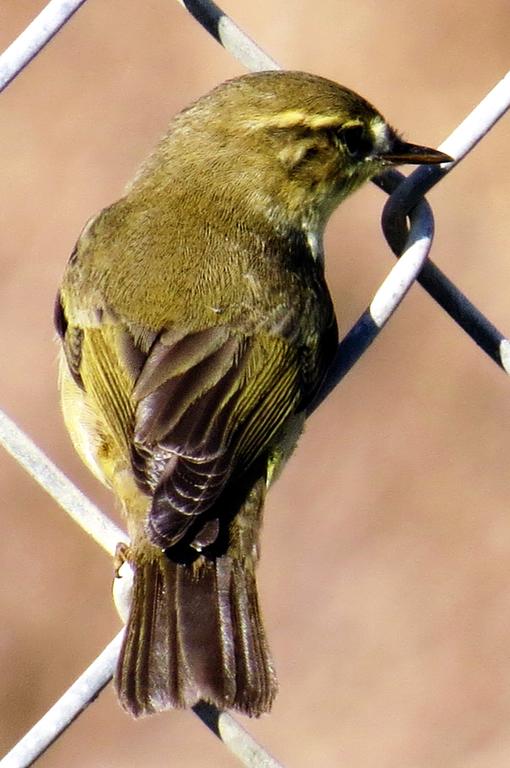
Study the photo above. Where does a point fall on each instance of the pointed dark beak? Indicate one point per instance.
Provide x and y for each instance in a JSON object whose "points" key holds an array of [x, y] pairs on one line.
{"points": [[402, 153]]}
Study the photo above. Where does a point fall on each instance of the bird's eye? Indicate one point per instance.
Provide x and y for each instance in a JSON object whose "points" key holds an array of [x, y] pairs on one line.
{"points": [[356, 141]]}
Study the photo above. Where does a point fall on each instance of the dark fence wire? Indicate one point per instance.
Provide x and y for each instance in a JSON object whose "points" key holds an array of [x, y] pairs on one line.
{"points": [[408, 225]]}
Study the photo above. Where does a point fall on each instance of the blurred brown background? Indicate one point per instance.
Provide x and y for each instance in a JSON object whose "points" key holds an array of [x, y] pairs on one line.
{"points": [[389, 610]]}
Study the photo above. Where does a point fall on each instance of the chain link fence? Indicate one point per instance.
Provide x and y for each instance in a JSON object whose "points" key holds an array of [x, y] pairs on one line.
{"points": [[408, 225]]}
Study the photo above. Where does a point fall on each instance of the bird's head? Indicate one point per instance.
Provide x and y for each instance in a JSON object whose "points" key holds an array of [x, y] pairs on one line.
{"points": [[291, 144]]}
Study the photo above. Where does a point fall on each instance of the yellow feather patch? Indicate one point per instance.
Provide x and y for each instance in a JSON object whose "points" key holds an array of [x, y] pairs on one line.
{"points": [[295, 118]]}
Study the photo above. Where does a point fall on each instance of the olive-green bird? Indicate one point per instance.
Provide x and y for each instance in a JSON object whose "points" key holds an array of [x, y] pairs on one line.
{"points": [[196, 328]]}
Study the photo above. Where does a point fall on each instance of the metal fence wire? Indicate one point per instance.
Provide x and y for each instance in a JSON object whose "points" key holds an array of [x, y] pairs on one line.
{"points": [[408, 226]]}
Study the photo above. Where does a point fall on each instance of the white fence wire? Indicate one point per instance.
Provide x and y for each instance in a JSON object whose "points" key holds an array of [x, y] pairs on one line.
{"points": [[408, 225]]}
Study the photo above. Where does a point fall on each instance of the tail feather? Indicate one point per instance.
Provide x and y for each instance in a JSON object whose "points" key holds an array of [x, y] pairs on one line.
{"points": [[255, 676], [195, 632], [147, 677], [205, 631]]}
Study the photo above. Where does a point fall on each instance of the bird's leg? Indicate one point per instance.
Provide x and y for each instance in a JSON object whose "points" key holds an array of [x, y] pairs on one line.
{"points": [[122, 554]]}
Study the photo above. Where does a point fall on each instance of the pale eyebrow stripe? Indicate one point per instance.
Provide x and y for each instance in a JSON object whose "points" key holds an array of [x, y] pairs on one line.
{"points": [[294, 118]]}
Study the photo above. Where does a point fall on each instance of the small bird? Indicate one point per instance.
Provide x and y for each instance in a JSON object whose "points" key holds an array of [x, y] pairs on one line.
{"points": [[196, 327]]}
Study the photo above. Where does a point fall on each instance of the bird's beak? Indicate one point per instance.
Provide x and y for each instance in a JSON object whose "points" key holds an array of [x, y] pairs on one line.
{"points": [[402, 153]]}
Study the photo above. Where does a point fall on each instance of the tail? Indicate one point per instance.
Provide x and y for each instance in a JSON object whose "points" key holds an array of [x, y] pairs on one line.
{"points": [[195, 632]]}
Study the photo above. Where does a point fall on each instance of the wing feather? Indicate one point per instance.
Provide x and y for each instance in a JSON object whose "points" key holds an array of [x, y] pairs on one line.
{"points": [[191, 410]]}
